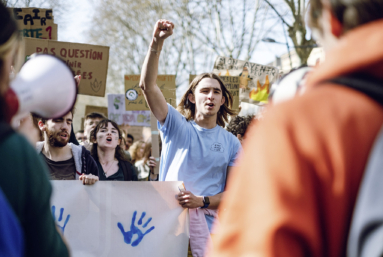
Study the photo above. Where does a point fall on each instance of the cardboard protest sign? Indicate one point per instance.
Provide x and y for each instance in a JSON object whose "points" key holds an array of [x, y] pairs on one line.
{"points": [[255, 80], [89, 61], [117, 112], [99, 109], [134, 98], [136, 132], [35, 22], [118, 218], [232, 84]]}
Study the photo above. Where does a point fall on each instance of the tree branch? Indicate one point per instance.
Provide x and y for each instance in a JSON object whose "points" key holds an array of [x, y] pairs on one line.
{"points": [[280, 16]]}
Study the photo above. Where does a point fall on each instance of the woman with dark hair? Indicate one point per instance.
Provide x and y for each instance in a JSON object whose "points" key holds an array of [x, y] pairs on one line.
{"points": [[108, 154], [24, 179]]}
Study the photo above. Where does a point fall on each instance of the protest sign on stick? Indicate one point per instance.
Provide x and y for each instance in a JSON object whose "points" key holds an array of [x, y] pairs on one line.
{"points": [[155, 142], [121, 218], [232, 84], [117, 112], [35, 22], [255, 80], [134, 98], [89, 61]]}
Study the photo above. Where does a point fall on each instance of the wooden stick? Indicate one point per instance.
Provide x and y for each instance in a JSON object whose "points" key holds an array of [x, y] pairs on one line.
{"points": [[155, 142]]}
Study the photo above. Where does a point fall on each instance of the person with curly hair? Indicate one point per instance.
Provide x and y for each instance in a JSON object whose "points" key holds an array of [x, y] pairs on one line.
{"points": [[238, 126]]}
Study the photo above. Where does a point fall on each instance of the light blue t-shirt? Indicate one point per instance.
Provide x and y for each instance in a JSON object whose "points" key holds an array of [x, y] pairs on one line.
{"points": [[197, 156]]}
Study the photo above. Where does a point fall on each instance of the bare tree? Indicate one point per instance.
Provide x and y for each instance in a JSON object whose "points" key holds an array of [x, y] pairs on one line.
{"points": [[292, 14], [60, 7], [203, 30]]}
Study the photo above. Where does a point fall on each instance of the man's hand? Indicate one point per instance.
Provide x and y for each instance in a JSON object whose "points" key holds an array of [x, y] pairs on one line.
{"points": [[188, 200], [89, 179], [163, 29]]}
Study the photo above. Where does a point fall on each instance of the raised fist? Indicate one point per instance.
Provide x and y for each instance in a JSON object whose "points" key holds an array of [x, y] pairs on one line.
{"points": [[163, 29]]}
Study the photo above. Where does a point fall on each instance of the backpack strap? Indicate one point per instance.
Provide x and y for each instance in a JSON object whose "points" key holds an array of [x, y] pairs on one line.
{"points": [[365, 237], [5, 131], [366, 231], [370, 86]]}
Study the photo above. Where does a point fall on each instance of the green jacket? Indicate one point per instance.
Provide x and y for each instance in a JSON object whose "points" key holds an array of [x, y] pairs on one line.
{"points": [[25, 183]]}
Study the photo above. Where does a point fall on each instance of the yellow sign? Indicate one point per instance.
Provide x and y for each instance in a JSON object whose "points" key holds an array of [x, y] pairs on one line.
{"points": [[255, 79], [134, 98]]}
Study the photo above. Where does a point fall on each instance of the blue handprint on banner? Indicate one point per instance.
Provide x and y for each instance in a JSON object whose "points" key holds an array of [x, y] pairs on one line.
{"points": [[60, 218], [128, 235]]}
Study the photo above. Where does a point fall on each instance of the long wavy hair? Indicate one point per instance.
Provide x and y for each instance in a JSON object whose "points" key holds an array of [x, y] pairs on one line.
{"points": [[133, 150], [187, 108], [119, 153]]}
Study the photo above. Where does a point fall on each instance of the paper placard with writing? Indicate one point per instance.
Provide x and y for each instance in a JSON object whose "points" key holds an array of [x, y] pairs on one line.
{"points": [[134, 98], [89, 61], [99, 109], [232, 84], [117, 112], [35, 22], [255, 80]]}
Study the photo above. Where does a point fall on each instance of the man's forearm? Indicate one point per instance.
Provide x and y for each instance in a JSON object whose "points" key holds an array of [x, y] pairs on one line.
{"points": [[150, 67], [215, 200]]}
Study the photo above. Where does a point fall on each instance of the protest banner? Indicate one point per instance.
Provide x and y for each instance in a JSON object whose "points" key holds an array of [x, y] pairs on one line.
{"points": [[99, 109], [255, 80], [89, 61], [35, 22], [121, 218], [134, 98], [232, 84], [117, 112]]}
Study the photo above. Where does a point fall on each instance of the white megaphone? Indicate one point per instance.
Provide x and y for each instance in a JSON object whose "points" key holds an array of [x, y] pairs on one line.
{"points": [[44, 86], [289, 85]]}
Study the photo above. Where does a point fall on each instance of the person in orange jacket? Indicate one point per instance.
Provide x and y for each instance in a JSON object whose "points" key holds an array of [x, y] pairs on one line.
{"points": [[295, 188]]}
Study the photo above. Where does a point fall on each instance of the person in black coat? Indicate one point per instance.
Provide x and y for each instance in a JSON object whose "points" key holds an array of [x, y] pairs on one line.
{"points": [[111, 160]]}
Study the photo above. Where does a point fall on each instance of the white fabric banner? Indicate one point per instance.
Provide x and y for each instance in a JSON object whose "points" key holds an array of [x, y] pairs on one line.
{"points": [[117, 218], [117, 112]]}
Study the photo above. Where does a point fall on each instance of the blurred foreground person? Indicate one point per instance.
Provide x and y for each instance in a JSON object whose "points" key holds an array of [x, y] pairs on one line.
{"points": [[110, 157], [24, 177], [295, 189]]}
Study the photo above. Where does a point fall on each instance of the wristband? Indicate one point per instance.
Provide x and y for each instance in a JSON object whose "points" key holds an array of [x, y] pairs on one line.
{"points": [[206, 202]]}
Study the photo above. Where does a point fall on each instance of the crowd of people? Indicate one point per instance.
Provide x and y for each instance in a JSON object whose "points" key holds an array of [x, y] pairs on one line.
{"points": [[286, 185]]}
